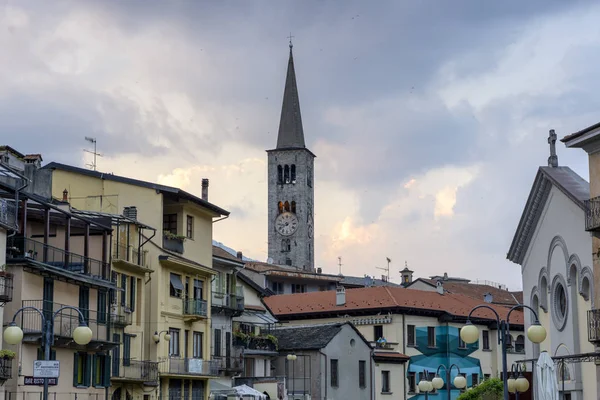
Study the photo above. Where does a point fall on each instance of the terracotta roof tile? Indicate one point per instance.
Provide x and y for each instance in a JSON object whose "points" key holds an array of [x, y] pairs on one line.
{"points": [[477, 291], [389, 354], [384, 297], [219, 252]]}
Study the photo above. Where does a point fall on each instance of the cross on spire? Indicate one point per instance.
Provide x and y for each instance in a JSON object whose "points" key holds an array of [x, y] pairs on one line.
{"points": [[553, 159], [291, 37]]}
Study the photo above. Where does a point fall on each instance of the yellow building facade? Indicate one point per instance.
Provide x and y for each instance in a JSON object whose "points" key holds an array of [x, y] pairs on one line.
{"points": [[171, 322]]}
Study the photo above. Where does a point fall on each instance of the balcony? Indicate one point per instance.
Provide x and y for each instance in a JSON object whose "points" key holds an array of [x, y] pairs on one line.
{"points": [[120, 316], [64, 324], [5, 368], [173, 242], [227, 303], [8, 214], [130, 255], [194, 309], [257, 344], [19, 250], [592, 214], [189, 366], [127, 370], [229, 365], [594, 326]]}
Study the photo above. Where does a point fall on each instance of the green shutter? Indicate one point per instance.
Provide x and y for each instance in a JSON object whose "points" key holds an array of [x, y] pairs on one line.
{"points": [[132, 281], [106, 376], [94, 369], [124, 287], [75, 369], [88, 369]]}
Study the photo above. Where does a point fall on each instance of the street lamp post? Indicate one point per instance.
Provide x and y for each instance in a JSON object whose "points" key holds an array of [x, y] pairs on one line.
{"points": [[459, 381], [536, 333], [292, 357], [425, 386], [517, 383], [82, 334]]}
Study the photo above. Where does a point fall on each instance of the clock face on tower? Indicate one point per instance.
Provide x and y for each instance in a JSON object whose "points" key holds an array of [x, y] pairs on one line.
{"points": [[286, 223]]}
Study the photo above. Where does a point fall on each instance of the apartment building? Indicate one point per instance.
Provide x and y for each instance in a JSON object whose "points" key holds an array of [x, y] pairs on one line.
{"points": [[176, 328], [412, 333]]}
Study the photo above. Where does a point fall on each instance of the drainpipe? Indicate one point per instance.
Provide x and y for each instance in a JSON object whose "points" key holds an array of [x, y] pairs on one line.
{"points": [[326, 383]]}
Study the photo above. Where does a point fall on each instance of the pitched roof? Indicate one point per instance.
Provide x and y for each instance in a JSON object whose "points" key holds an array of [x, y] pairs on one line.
{"points": [[365, 282], [567, 181], [291, 134], [383, 299], [278, 270], [248, 281], [310, 337], [222, 253], [136, 182], [477, 291], [580, 133]]}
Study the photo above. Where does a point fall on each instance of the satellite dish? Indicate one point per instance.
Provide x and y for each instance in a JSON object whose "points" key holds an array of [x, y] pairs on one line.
{"points": [[269, 260]]}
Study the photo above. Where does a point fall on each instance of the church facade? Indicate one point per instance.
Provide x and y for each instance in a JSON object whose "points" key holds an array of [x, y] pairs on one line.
{"points": [[291, 186]]}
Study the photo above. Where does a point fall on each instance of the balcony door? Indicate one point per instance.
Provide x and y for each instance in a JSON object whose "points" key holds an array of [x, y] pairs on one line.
{"points": [[228, 349], [198, 294]]}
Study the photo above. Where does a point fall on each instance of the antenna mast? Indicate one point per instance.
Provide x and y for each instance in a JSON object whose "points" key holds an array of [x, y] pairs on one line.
{"points": [[340, 264], [95, 153], [386, 269]]}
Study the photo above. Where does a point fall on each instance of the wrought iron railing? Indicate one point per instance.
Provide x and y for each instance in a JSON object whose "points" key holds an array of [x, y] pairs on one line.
{"points": [[263, 343], [120, 316], [189, 366], [19, 249], [143, 371], [228, 300], [230, 363], [5, 368], [593, 326], [8, 214], [130, 254], [592, 214], [6, 287], [195, 307], [65, 322]]}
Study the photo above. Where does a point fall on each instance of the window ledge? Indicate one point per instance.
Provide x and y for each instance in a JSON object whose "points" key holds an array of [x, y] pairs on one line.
{"points": [[387, 393], [488, 350]]}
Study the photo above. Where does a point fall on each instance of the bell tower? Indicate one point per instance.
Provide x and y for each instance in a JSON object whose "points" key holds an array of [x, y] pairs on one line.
{"points": [[291, 185]]}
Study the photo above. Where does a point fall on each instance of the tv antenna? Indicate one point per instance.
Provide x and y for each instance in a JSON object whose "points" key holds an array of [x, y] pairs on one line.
{"points": [[386, 269], [95, 153], [340, 264]]}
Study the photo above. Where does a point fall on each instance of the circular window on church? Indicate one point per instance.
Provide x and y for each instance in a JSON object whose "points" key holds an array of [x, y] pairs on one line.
{"points": [[560, 307]]}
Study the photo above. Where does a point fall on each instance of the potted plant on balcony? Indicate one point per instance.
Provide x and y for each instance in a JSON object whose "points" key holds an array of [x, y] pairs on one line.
{"points": [[172, 236], [273, 339], [7, 354]]}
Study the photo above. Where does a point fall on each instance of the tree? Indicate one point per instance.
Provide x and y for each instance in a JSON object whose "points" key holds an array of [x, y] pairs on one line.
{"points": [[490, 389]]}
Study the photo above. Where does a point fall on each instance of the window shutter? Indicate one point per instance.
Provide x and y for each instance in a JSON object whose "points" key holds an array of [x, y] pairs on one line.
{"points": [[94, 370], [124, 287], [106, 376], [133, 282], [88, 369], [75, 369]]}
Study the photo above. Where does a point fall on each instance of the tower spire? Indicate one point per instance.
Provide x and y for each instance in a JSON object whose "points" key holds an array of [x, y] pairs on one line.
{"points": [[290, 133]]}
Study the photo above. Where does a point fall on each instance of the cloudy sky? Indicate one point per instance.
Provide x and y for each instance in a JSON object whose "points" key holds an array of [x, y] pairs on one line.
{"points": [[428, 118]]}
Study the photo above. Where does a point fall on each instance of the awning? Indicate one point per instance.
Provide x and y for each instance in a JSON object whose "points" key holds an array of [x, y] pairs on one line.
{"points": [[176, 282]]}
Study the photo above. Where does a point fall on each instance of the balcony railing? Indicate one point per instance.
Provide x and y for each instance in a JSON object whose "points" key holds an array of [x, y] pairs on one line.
{"points": [[263, 343], [64, 324], [130, 254], [120, 316], [228, 300], [173, 244], [592, 214], [8, 214], [19, 249], [594, 326], [5, 368], [134, 370], [6, 287], [189, 366], [195, 307], [231, 364]]}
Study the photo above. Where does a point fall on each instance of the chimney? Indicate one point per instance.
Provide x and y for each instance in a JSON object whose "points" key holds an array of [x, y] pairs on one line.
{"points": [[440, 287], [65, 195], [340, 296], [130, 212], [205, 189], [319, 270], [240, 255], [488, 298]]}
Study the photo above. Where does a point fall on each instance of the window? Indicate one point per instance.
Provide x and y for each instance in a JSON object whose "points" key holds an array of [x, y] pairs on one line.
{"points": [[132, 285], [280, 206], [277, 287], [286, 206], [377, 332], [474, 379], [461, 343], [101, 371], [170, 223], [293, 173], [198, 289], [40, 354], [286, 174], [217, 346], [293, 207], [308, 177], [174, 342], [126, 349], [520, 344], [486, 376], [385, 382], [362, 374], [279, 174], [288, 261], [116, 355], [175, 392], [431, 336], [197, 345], [410, 335], [176, 285], [82, 366], [102, 307], [84, 302], [190, 227], [560, 301], [124, 292], [486, 339], [286, 245], [412, 382], [334, 373], [298, 288]]}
